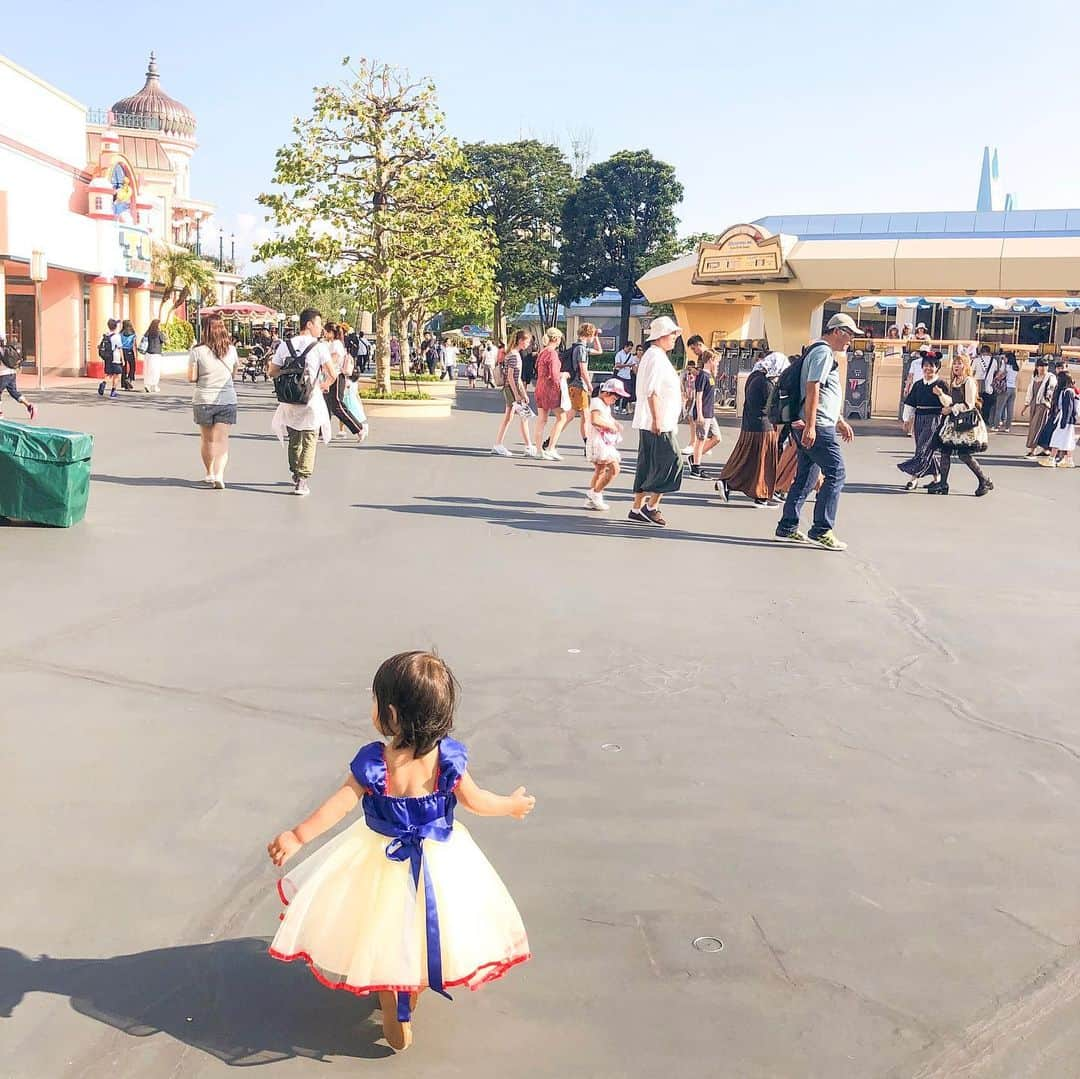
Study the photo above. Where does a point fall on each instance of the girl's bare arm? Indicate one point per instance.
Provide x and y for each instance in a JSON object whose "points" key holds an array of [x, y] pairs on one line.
{"points": [[342, 801], [485, 804]]}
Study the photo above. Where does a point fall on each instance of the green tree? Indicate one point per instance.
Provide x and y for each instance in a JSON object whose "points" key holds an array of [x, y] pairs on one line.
{"points": [[178, 269], [288, 291], [619, 223], [370, 193], [521, 190]]}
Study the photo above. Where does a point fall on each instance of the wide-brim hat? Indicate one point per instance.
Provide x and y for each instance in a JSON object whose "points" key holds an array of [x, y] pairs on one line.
{"points": [[663, 326]]}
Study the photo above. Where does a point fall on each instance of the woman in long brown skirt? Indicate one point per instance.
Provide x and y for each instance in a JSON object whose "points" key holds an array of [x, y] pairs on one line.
{"points": [[752, 467], [1040, 396]]}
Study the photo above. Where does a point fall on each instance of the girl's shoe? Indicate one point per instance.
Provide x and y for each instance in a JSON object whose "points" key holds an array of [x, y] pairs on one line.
{"points": [[940, 489], [1063, 463], [985, 487], [398, 1034], [101, 388], [1048, 462], [933, 488], [112, 394], [31, 411], [219, 485]]}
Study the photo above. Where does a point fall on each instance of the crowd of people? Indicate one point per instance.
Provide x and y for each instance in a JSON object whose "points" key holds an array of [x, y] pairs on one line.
{"points": [[775, 461]]}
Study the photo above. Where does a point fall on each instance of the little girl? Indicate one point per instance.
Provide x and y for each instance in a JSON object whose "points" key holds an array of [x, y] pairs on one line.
{"points": [[362, 910], [604, 434], [470, 372]]}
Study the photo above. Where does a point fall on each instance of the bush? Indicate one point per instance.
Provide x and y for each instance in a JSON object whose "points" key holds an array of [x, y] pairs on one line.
{"points": [[395, 395], [179, 336]]}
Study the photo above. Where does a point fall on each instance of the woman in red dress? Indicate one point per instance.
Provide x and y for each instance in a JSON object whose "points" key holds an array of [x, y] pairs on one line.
{"points": [[549, 389]]}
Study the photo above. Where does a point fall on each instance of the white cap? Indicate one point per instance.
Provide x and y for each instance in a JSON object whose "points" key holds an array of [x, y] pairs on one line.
{"points": [[662, 327], [843, 322]]}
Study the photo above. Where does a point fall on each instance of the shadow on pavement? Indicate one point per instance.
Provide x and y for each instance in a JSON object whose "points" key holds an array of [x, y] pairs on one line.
{"points": [[228, 999], [438, 451], [280, 487], [596, 524]]}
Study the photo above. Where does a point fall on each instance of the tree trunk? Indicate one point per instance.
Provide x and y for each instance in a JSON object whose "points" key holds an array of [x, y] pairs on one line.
{"points": [[624, 314], [382, 342], [499, 329]]}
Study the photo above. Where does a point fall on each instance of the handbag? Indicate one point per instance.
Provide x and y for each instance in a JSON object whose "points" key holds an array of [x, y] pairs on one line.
{"points": [[972, 437]]}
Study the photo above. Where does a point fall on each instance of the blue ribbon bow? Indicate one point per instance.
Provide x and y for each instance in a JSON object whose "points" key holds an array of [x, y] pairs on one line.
{"points": [[407, 845]]}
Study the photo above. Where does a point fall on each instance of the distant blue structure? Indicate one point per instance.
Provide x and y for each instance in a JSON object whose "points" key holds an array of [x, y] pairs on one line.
{"points": [[990, 198]]}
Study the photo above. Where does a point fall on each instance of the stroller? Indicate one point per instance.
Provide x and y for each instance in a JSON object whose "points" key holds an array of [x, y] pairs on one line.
{"points": [[254, 364]]}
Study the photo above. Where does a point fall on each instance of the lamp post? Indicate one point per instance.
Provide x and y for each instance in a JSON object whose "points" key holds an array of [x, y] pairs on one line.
{"points": [[39, 272], [232, 252], [220, 249], [198, 233]]}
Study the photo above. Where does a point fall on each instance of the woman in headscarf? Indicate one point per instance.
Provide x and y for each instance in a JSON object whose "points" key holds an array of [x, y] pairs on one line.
{"points": [[752, 466], [926, 401]]}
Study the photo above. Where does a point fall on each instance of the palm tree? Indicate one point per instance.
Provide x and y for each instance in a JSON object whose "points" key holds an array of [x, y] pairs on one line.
{"points": [[178, 268]]}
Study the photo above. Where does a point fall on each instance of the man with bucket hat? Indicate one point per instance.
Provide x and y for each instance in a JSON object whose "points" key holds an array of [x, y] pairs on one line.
{"points": [[659, 463], [819, 440]]}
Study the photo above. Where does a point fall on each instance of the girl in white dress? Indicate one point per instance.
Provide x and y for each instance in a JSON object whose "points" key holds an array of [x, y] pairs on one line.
{"points": [[402, 900]]}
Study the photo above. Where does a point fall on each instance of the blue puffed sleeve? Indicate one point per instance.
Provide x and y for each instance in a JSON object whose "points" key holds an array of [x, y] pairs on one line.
{"points": [[369, 768], [453, 764]]}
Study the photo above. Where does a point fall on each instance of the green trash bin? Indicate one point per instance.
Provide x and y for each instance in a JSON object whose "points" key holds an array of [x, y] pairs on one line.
{"points": [[44, 474]]}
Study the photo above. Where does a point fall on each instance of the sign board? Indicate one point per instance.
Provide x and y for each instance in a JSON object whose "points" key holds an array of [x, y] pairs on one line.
{"points": [[745, 253], [134, 252], [857, 398]]}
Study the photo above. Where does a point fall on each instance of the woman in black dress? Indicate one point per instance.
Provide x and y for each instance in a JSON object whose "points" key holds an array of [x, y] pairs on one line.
{"points": [[751, 468], [926, 400]]}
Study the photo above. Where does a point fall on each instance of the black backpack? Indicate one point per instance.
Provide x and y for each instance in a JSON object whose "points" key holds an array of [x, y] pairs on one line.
{"points": [[786, 396], [10, 357], [292, 386], [105, 349]]}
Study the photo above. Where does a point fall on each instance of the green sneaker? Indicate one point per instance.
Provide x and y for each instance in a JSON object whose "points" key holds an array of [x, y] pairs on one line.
{"points": [[794, 536], [829, 541]]}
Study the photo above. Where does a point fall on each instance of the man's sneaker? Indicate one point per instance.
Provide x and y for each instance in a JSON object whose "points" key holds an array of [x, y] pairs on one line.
{"points": [[792, 535], [638, 517], [829, 541], [695, 470], [530, 451], [501, 451], [302, 488], [654, 516]]}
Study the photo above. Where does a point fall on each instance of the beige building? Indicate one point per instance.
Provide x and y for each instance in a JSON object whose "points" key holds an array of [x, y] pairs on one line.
{"points": [[779, 273]]}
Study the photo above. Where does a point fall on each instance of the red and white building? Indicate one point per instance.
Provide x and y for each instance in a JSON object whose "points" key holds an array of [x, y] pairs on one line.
{"points": [[91, 193]]}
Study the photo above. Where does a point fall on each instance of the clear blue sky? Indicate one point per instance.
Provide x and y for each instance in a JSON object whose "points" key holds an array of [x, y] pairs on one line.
{"points": [[763, 107]]}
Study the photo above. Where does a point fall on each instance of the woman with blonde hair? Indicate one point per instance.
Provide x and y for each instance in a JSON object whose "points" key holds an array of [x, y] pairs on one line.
{"points": [[552, 394], [963, 429], [210, 366]]}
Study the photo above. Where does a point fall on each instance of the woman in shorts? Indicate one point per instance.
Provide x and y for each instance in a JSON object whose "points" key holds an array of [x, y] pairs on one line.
{"points": [[210, 367]]}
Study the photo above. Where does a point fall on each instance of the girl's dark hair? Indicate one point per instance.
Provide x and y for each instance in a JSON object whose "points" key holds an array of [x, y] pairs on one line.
{"points": [[423, 692], [215, 336], [127, 327], [932, 358], [1065, 380], [154, 328], [335, 331]]}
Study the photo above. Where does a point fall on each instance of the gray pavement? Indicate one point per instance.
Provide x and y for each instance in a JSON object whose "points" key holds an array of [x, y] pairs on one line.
{"points": [[861, 772]]}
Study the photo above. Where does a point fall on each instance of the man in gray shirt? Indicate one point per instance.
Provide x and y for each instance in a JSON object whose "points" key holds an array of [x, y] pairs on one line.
{"points": [[822, 429]]}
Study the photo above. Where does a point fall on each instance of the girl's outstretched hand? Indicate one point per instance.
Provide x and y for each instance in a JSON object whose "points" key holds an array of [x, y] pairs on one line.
{"points": [[521, 804], [283, 847]]}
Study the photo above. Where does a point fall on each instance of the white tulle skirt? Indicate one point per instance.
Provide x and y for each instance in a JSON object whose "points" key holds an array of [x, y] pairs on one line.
{"points": [[356, 919]]}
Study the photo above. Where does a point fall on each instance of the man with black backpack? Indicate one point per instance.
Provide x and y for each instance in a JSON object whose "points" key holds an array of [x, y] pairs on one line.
{"points": [[301, 368], [821, 397]]}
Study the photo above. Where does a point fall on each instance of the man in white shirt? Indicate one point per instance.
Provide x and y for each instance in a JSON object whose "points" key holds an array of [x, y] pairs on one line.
{"points": [[659, 463], [302, 424], [983, 370], [625, 365]]}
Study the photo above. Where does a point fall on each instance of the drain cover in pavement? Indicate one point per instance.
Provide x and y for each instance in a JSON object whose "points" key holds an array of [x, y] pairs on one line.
{"points": [[708, 944]]}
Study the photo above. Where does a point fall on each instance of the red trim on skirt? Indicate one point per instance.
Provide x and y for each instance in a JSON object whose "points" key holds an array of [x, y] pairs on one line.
{"points": [[497, 970]]}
